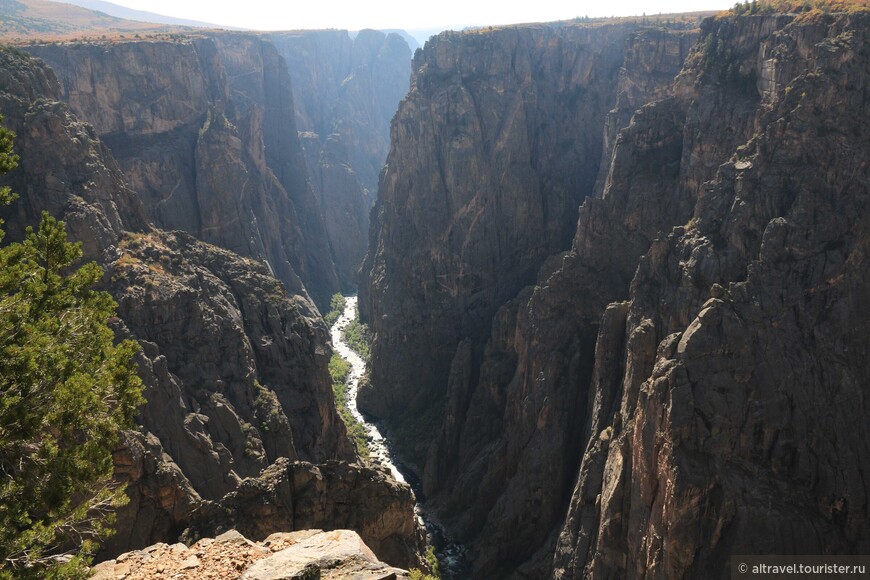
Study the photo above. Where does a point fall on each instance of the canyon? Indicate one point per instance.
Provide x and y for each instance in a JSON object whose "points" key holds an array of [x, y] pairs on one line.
{"points": [[615, 273], [178, 166]]}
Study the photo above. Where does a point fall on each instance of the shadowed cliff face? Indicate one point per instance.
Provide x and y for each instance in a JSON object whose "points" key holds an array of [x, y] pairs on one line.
{"points": [[204, 130], [346, 92], [492, 151], [673, 381], [234, 367], [499, 141], [727, 416]]}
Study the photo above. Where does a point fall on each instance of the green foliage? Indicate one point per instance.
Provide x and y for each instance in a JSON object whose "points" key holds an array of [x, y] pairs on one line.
{"points": [[339, 370], [336, 307], [337, 302], [66, 392], [746, 8], [8, 162], [432, 561], [357, 336], [267, 408]]}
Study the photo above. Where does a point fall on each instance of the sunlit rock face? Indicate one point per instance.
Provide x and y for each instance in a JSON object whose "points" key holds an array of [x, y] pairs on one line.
{"points": [[707, 437], [204, 130], [346, 92]]}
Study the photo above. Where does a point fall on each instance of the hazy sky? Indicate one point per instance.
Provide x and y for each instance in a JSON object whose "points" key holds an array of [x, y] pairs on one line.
{"points": [[408, 14]]}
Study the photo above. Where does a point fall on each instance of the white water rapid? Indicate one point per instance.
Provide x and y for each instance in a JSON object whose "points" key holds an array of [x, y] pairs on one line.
{"points": [[451, 556], [378, 446]]}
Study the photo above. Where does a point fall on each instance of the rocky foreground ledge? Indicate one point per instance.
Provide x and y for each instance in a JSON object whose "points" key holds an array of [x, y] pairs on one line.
{"points": [[302, 555]]}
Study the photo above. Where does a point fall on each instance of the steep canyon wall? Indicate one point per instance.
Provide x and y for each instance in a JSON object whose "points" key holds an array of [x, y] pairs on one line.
{"points": [[497, 143], [646, 402]]}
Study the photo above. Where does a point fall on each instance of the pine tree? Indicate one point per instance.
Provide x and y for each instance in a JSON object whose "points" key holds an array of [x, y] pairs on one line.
{"points": [[8, 162], [66, 392]]}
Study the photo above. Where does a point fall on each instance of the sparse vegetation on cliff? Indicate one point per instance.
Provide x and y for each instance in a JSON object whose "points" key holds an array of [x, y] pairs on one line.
{"points": [[797, 6], [358, 338], [719, 62], [339, 370], [336, 307], [432, 561]]}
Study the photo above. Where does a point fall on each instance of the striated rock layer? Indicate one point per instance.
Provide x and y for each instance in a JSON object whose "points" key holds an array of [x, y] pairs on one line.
{"points": [[491, 153], [234, 366], [685, 382]]}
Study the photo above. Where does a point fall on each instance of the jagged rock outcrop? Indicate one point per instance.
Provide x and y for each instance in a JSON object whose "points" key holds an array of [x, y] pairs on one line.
{"points": [[234, 367], [674, 381], [68, 172], [204, 129], [346, 92], [259, 389], [307, 554], [733, 425], [647, 73], [521, 413], [498, 142], [299, 495], [162, 498]]}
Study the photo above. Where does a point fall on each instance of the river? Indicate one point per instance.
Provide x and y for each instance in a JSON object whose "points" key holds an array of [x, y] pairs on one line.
{"points": [[452, 557]]}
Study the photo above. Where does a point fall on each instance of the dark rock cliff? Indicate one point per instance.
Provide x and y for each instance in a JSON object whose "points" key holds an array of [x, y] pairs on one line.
{"points": [[346, 91], [499, 141], [727, 417], [234, 365], [204, 129], [299, 495], [491, 154], [692, 366]]}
